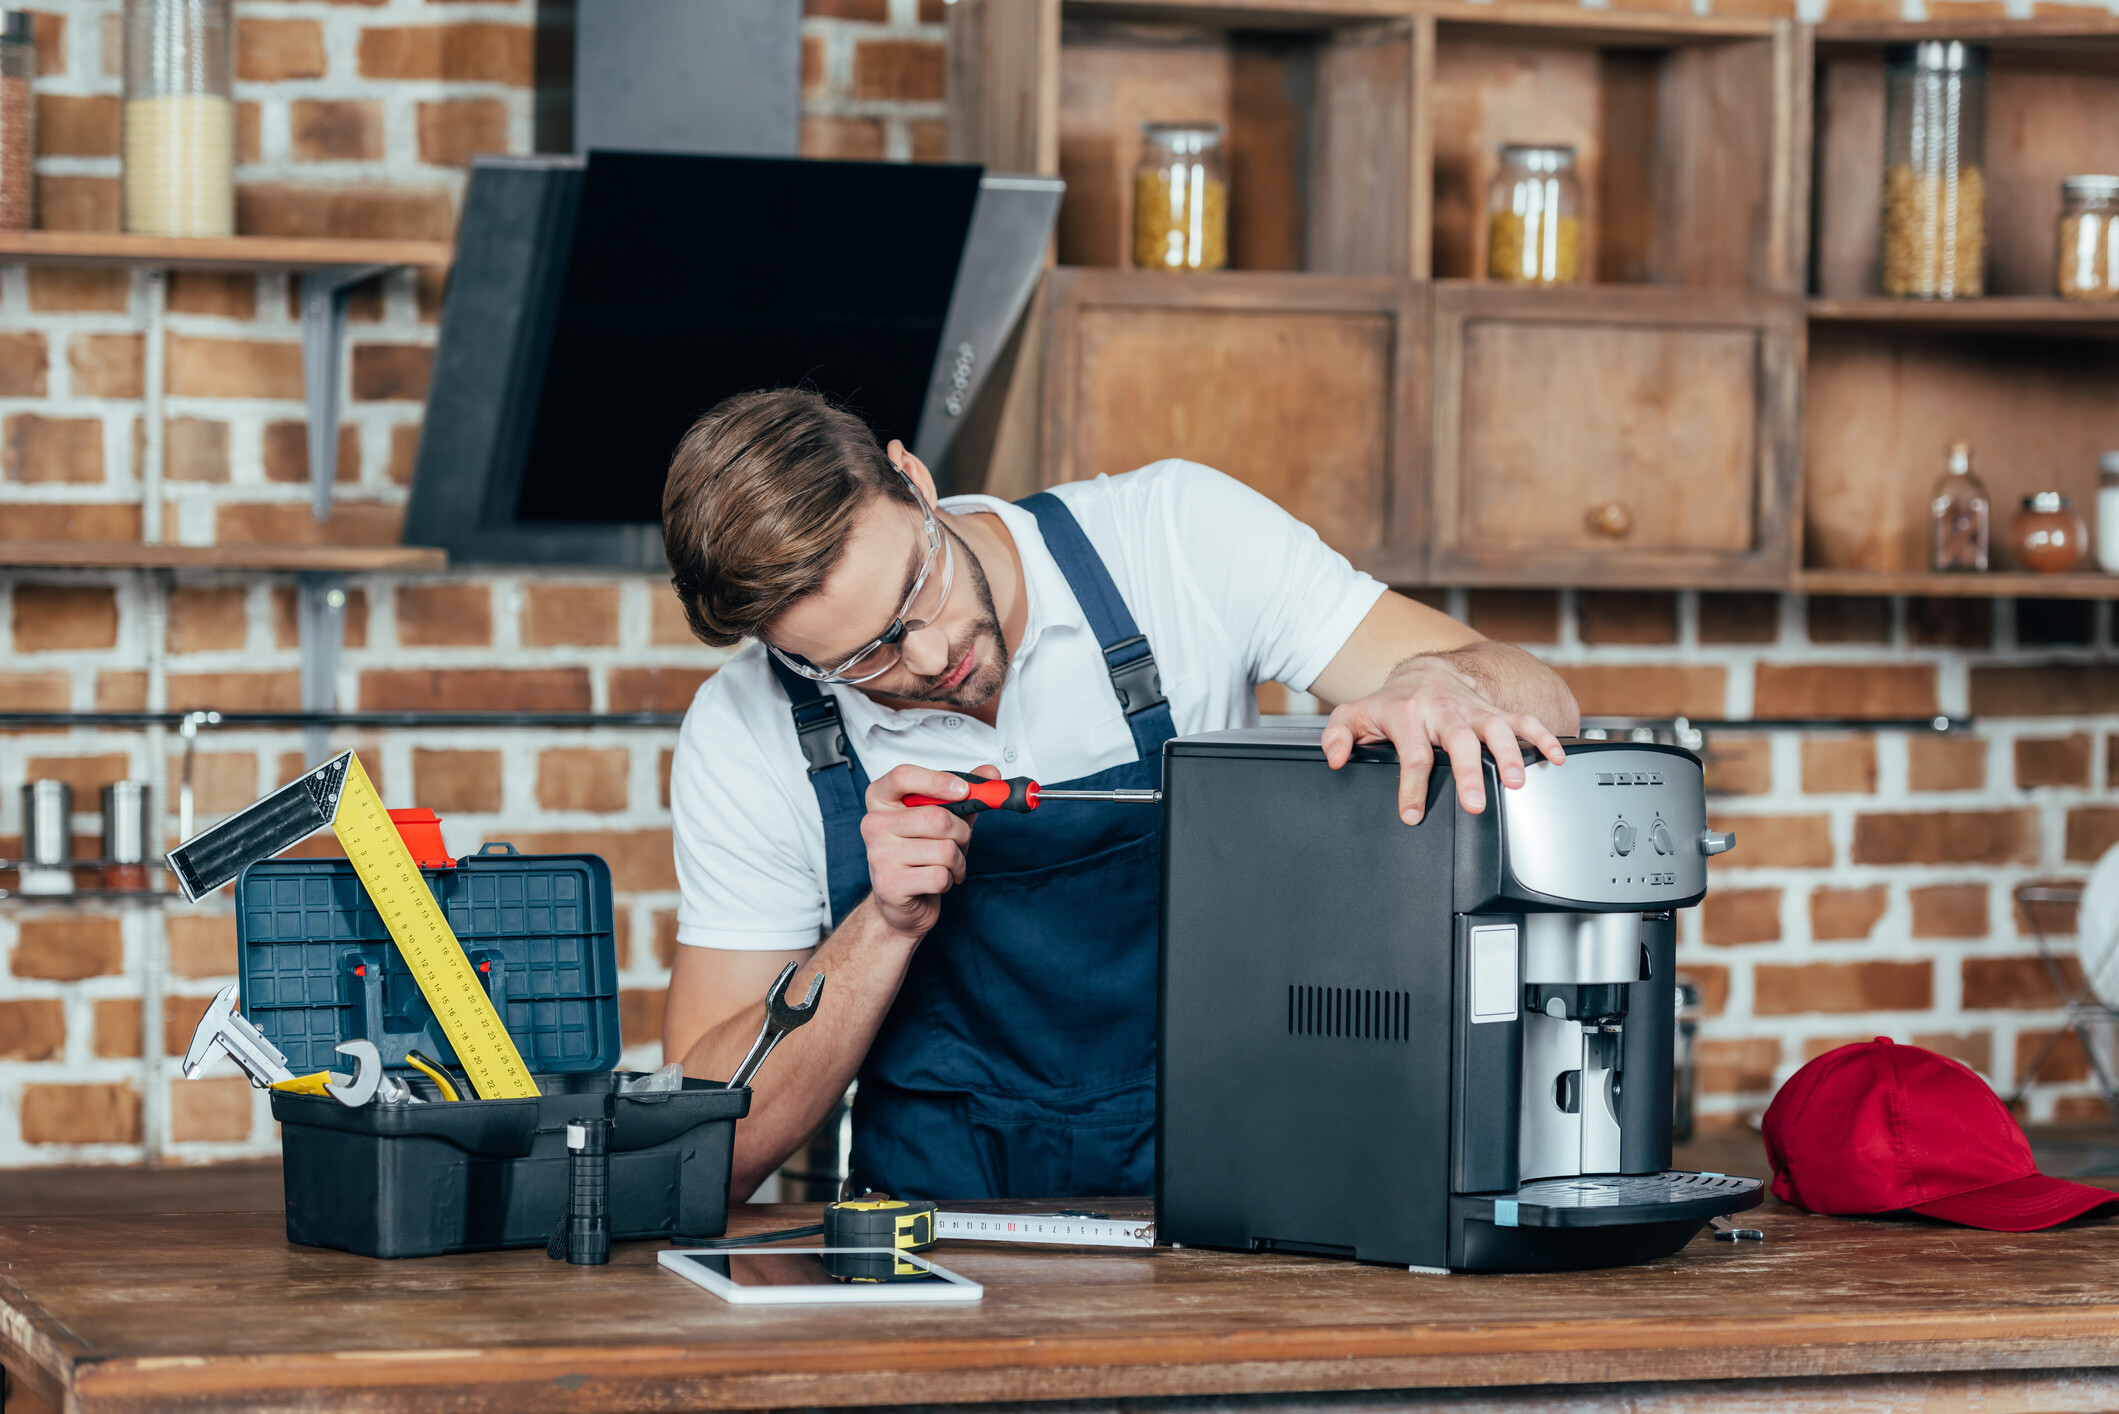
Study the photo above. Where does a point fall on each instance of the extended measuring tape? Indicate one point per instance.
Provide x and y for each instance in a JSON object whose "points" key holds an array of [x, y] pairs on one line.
{"points": [[339, 794]]}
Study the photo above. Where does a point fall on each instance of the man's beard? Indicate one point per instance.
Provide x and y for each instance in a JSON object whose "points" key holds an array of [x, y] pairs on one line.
{"points": [[990, 670]]}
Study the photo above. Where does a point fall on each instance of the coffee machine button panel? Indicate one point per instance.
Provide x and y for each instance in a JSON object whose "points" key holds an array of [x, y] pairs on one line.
{"points": [[1603, 828]]}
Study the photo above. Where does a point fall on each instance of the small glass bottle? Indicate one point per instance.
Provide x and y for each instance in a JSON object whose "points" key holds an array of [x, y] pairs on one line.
{"points": [[2048, 537], [1959, 516], [1181, 198], [179, 118], [2108, 512], [18, 111], [2088, 264], [1534, 229], [1935, 132]]}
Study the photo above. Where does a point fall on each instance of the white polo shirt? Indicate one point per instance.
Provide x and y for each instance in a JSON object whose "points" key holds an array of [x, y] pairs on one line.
{"points": [[1230, 590]]}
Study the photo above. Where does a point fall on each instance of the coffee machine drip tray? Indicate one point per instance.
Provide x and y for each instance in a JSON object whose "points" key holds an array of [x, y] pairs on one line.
{"points": [[1596, 1220], [1599, 1200]]}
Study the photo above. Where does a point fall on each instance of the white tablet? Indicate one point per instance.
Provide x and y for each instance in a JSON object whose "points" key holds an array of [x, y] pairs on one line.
{"points": [[787, 1276]]}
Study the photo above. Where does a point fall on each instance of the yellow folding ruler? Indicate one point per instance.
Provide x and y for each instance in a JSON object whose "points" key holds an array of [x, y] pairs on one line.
{"points": [[339, 794]]}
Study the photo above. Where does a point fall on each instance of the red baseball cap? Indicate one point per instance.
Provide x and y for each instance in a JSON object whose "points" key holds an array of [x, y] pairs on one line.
{"points": [[1877, 1128]]}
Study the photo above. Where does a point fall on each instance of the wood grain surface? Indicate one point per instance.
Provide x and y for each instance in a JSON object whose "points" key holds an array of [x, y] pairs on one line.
{"points": [[109, 248], [127, 554], [1675, 411], [217, 1311], [1302, 386]]}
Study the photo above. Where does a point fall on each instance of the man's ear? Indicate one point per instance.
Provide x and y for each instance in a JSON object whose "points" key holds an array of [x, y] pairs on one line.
{"points": [[913, 467]]}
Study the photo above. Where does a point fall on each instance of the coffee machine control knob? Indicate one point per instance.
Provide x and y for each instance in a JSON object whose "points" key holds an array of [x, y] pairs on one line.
{"points": [[1659, 836], [1714, 842], [1622, 838]]}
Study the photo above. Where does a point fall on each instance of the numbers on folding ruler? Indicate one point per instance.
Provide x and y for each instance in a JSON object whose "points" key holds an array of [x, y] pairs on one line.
{"points": [[426, 941]]}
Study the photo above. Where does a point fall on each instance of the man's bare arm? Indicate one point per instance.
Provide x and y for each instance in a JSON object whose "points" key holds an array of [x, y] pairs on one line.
{"points": [[717, 1004], [717, 996], [1417, 678]]}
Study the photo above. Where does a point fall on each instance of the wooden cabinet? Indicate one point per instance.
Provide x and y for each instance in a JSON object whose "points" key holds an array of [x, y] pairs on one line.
{"points": [[2030, 381], [1362, 139], [1593, 437], [1311, 389]]}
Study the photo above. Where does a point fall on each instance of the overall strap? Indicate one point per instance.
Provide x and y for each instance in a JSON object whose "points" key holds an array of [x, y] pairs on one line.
{"points": [[1127, 655], [841, 785]]}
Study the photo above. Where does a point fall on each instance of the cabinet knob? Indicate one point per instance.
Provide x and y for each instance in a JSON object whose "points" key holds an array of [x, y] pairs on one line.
{"points": [[1613, 518]]}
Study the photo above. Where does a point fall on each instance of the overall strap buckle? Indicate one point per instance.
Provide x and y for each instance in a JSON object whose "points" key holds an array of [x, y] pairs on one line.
{"points": [[1137, 682], [818, 731]]}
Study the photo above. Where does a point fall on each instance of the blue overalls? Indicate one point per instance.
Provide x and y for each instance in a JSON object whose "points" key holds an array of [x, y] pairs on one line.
{"points": [[1019, 1058]]}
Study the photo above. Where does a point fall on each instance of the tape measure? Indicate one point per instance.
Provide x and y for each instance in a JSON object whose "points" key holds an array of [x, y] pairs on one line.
{"points": [[878, 1222], [340, 795]]}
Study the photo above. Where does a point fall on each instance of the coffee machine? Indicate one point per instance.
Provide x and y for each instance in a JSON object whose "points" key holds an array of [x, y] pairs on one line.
{"points": [[1444, 1046]]}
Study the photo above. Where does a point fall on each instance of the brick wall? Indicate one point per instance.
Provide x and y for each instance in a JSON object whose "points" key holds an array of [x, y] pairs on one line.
{"points": [[1869, 893]]}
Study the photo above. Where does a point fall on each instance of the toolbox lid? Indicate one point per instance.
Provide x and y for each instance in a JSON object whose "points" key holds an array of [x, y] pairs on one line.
{"points": [[318, 967]]}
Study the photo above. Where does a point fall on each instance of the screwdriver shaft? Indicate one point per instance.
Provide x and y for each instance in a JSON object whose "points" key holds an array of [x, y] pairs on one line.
{"points": [[1120, 797]]}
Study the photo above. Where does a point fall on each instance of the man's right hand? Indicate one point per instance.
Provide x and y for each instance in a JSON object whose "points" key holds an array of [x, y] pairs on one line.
{"points": [[915, 852]]}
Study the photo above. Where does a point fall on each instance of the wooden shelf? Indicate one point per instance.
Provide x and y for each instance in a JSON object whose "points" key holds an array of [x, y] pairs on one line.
{"points": [[111, 248], [2015, 314], [2060, 33], [1999, 584], [118, 554]]}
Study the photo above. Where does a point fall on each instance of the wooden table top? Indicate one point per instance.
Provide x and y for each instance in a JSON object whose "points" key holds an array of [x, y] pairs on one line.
{"points": [[218, 1311]]}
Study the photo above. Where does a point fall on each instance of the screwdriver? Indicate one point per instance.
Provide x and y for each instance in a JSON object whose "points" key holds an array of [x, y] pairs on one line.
{"points": [[1022, 795]]}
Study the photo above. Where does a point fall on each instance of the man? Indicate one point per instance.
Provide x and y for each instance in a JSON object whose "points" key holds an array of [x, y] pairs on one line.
{"points": [[992, 981]]}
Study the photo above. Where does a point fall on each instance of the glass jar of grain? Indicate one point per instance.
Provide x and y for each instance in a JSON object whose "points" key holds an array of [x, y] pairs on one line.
{"points": [[179, 118], [1534, 229], [1181, 198], [2088, 267], [18, 70], [1935, 132]]}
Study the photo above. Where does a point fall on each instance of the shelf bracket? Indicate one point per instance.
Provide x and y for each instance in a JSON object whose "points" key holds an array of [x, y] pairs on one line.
{"points": [[323, 351], [320, 623]]}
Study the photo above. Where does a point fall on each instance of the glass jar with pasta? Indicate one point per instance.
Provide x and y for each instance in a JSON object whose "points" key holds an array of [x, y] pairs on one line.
{"points": [[1935, 203], [1534, 221], [1181, 198], [2088, 265]]}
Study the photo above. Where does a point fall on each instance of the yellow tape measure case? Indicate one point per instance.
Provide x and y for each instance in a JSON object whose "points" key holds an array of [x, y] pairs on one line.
{"points": [[318, 968]]}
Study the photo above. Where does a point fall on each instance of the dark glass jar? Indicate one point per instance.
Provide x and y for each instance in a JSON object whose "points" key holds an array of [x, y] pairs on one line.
{"points": [[2048, 537]]}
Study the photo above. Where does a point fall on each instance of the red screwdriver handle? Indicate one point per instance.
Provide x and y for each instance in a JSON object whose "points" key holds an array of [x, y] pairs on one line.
{"points": [[1017, 793]]}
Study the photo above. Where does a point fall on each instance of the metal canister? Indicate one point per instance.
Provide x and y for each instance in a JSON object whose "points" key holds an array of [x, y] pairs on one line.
{"points": [[47, 837], [128, 828]]}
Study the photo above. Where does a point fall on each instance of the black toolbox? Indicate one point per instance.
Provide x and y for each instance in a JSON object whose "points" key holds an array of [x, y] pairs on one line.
{"points": [[318, 968]]}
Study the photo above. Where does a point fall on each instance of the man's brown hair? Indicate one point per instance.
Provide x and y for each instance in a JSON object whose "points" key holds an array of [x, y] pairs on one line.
{"points": [[760, 500]]}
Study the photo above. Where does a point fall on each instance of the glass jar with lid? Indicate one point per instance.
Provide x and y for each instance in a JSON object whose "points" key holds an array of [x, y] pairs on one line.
{"points": [[1935, 133], [179, 130], [18, 71], [1181, 198], [2108, 512], [2088, 265], [2048, 537], [1534, 225]]}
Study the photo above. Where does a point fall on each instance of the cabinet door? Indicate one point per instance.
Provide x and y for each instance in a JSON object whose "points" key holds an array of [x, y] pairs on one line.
{"points": [[1306, 387], [1599, 437]]}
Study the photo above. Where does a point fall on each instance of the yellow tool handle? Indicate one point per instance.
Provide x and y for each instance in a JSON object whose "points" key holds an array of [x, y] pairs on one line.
{"points": [[423, 937], [434, 1073], [304, 1084]]}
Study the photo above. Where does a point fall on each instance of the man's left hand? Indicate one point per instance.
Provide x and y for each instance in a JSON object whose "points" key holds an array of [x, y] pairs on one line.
{"points": [[1428, 703]]}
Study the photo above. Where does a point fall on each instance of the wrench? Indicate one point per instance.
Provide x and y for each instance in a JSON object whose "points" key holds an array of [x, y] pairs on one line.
{"points": [[781, 1017], [369, 1082]]}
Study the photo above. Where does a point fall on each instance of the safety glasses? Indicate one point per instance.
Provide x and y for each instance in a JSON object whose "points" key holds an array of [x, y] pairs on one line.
{"points": [[881, 654]]}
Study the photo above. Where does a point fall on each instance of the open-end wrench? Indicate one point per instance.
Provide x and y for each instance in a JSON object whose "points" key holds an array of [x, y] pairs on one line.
{"points": [[780, 1018], [370, 1082]]}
